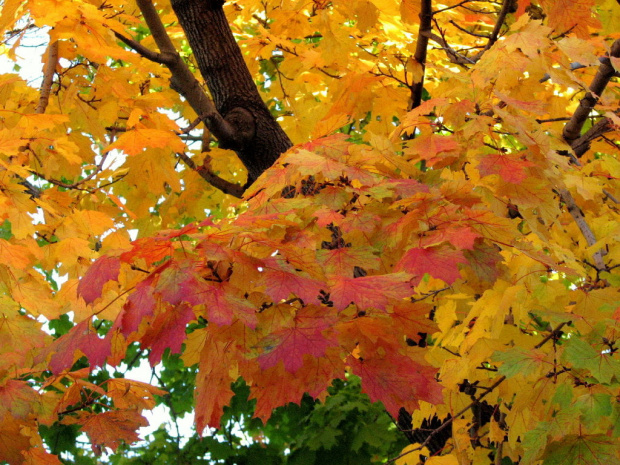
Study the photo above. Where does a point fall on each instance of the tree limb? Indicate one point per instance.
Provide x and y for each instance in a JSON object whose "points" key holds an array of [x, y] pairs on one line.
{"points": [[582, 144], [501, 18], [161, 58], [583, 226], [183, 81], [426, 17], [454, 56], [605, 72], [48, 77], [227, 187]]}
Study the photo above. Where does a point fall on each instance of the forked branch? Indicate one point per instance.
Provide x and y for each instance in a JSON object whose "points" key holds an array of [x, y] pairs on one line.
{"points": [[227, 187], [572, 130]]}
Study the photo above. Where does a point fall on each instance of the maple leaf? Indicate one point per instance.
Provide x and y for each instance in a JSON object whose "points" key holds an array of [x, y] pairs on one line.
{"points": [[509, 167], [135, 141], [167, 331], [440, 262], [111, 429], [81, 339], [104, 269], [222, 304], [397, 381], [582, 450], [280, 282], [369, 291], [140, 305], [341, 261], [303, 336]]}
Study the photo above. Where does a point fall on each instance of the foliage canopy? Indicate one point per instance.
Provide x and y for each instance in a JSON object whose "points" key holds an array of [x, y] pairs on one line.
{"points": [[441, 236]]}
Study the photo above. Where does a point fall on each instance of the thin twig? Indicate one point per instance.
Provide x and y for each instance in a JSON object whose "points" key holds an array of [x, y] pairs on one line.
{"points": [[460, 28], [551, 335], [451, 7], [610, 196]]}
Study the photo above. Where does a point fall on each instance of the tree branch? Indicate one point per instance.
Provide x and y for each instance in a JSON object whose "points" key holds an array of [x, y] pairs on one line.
{"points": [[583, 226], [48, 78], [426, 17], [582, 144], [205, 173], [183, 81], [161, 58], [605, 72], [454, 56], [501, 18]]}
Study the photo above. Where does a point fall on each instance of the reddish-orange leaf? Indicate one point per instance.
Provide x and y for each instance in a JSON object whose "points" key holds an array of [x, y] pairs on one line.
{"points": [[152, 250], [343, 260], [510, 167], [370, 291], [222, 302], [167, 330], [139, 305], [111, 429], [397, 381], [440, 262], [281, 283], [81, 339], [304, 335], [104, 269]]}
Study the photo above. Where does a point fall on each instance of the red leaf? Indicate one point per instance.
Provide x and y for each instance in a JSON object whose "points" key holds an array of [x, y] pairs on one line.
{"points": [[221, 301], [139, 305], [150, 249], [167, 330], [341, 261], [370, 291], [440, 262], [304, 335], [511, 168], [110, 429], [98, 274], [80, 338], [397, 381], [281, 283]]}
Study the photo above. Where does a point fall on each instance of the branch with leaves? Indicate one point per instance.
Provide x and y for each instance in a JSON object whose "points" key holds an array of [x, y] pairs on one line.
{"points": [[572, 130]]}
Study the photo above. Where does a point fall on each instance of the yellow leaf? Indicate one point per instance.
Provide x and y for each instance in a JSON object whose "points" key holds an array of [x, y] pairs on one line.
{"points": [[443, 460], [135, 141], [411, 455], [410, 11]]}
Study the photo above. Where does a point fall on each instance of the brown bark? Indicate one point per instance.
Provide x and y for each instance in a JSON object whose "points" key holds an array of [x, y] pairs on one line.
{"points": [[606, 71], [243, 123]]}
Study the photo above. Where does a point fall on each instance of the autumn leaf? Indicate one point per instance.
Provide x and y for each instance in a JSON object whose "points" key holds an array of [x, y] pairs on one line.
{"points": [[440, 262], [111, 429], [397, 381], [304, 335], [370, 291], [105, 269]]}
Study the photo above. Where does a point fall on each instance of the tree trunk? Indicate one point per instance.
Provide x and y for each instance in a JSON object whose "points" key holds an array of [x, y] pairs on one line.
{"points": [[244, 123]]}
